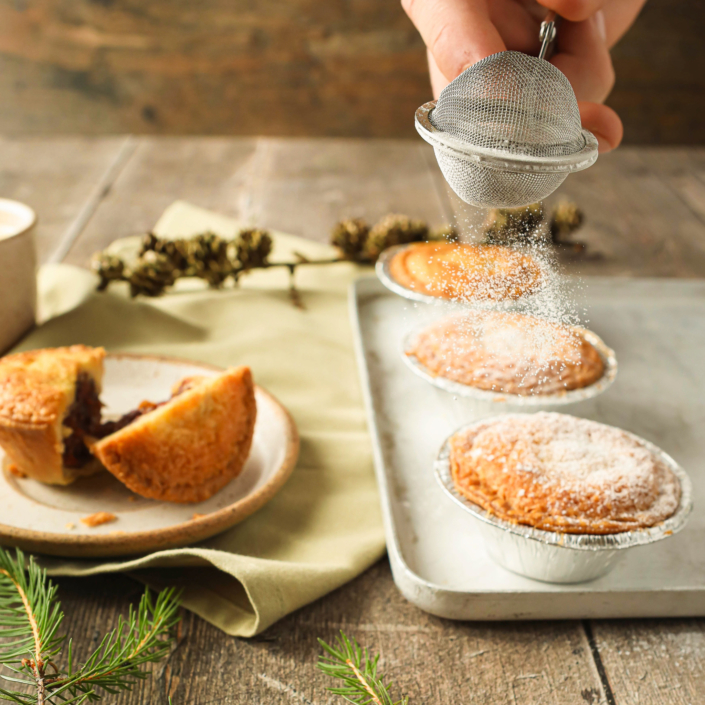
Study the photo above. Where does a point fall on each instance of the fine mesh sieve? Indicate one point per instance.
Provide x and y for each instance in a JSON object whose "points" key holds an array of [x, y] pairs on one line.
{"points": [[507, 131]]}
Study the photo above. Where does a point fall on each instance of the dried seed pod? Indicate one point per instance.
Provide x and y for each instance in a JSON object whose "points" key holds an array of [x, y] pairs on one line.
{"points": [[566, 218], [206, 256], [149, 242], [349, 236], [444, 233], [252, 248], [393, 229], [108, 267], [175, 250], [151, 275], [514, 226]]}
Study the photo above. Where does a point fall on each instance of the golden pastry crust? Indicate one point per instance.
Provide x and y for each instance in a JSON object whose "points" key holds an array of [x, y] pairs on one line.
{"points": [[37, 389], [466, 272], [560, 473], [189, 448], [508, 352]]}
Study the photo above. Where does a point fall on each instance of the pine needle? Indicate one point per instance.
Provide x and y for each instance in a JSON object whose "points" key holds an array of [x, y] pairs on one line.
{"points": [[348, 662], [30, 618]]}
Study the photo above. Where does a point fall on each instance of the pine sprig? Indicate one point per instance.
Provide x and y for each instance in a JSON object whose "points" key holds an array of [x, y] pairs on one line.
{"points": [[30, 618], [348, 662]]}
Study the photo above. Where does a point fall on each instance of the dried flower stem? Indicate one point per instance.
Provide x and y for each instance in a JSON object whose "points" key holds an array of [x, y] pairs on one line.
{"points": [[161, 261]]}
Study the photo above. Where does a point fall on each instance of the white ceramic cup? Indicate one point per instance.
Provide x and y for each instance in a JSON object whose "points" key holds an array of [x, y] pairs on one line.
{"points": [[18, 271]]}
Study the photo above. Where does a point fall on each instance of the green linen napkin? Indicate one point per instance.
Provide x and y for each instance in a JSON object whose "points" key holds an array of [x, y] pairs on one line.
{"points": [[324, 527]]}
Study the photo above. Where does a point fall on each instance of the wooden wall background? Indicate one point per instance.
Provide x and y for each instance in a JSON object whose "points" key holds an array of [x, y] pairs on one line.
{"points": [[287, 67]]}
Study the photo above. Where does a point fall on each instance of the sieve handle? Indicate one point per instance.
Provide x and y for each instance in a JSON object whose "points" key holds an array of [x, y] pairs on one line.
{"points": [[547, 33]]}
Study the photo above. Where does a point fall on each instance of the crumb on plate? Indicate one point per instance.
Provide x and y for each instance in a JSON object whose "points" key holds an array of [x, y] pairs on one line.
{"points": [[98, 518], [14, 470]]}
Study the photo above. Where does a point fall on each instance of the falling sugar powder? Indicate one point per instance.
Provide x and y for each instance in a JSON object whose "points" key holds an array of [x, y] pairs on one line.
{"points": [[536, 353]]}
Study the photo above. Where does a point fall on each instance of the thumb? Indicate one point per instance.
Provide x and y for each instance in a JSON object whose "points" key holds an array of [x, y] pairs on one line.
{"points": [[458, 33], [604, 123]]}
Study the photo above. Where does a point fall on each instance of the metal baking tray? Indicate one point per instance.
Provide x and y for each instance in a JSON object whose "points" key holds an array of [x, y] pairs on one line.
{"points": [[435, 549]]}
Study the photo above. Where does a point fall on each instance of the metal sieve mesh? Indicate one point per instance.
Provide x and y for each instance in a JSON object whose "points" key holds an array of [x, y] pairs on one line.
{"points": [[507, 131], [512, 102]]}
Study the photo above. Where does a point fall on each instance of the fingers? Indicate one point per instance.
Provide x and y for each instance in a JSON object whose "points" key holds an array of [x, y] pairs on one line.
{"points": [[458, 33], [518, 23], [574, 10], [438, 80], [619, 16], [604, 123], [583, 56]]}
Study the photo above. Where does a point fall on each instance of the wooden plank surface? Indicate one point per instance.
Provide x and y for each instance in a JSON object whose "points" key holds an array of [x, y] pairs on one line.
{"points": [[654, 662], [305, 186], [58, 178], [644, 211], [335, 68], [431, 659], [210, 172]]}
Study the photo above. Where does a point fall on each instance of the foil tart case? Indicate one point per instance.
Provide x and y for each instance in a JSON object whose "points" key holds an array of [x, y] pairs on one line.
{"points": [[383, 272], [534, 402], [555, 557]]}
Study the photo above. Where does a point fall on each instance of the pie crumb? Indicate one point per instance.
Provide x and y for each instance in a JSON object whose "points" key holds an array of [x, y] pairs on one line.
{"points": [[98, 518], [70, 526], [14, 470], [197, 516]]}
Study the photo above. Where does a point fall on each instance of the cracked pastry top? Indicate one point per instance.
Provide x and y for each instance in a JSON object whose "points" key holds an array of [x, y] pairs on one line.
{"points": [[466, 272], [48, 404], [508, 352], [188, 448], [561, 473]]}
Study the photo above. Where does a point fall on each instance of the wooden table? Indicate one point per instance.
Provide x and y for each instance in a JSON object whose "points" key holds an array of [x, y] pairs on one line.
{"points": [[646, 217]]}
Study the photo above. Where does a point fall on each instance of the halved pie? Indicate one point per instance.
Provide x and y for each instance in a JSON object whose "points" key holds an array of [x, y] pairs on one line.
{"points": [[188, 448], [48, 405]]}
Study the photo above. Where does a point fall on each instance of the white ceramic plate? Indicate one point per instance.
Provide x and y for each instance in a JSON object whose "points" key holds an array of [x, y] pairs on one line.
{"points": [[47, 519]]}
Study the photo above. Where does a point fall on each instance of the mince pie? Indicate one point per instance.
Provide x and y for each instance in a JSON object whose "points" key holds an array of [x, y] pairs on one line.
{"points": [[466, 272], [508, 352], [48, 405], [188, 448], [561, 473]]}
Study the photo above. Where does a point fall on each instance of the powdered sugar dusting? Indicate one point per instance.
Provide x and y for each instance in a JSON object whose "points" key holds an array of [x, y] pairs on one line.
{"points": [[565, 473], [508, 352]]}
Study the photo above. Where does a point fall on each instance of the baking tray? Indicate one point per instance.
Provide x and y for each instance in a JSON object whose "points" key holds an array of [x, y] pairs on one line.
{"points": [[657, 329]]}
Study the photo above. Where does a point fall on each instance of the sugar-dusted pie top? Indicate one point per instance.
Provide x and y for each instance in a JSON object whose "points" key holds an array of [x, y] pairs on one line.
{"points": [[561, 473], [508, 352], [466, 272]]}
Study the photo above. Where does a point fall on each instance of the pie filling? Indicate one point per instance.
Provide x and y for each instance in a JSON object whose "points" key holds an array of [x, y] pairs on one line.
{"points": [[84, 419]]}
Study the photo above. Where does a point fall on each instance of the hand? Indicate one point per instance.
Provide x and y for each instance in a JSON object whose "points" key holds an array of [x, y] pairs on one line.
{"points": [[458, 33]]}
